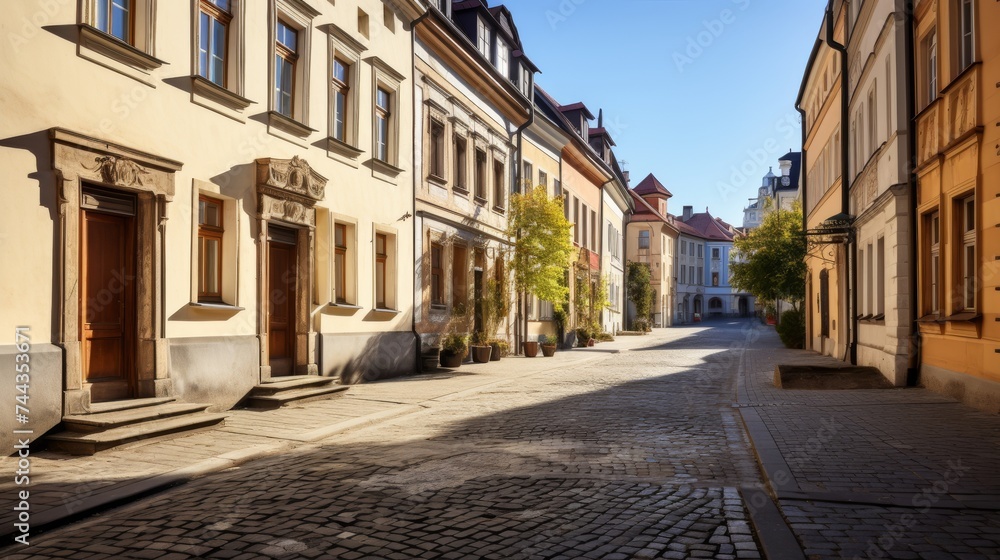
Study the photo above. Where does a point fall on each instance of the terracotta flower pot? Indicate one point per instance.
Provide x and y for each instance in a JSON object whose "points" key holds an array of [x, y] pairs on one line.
{"points": [[548, 350], [495, 354], [481, 354], [530, 348], [591, 342]]}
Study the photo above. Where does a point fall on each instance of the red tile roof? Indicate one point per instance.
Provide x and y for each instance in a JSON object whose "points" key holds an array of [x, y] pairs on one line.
{"points": [[650, 185]]}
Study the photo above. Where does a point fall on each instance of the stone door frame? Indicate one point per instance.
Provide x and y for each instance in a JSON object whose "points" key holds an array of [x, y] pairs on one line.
{"points": [[78, 160], [287, 192]]}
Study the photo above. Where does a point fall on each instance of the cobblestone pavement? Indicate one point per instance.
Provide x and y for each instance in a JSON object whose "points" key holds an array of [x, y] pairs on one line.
{"points": [[899, 473], [636, 455]]}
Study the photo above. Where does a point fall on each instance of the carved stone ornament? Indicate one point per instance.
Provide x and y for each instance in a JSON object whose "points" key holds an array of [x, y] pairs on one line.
{"points": [[283, 177], [119, 171], [287, 210]]}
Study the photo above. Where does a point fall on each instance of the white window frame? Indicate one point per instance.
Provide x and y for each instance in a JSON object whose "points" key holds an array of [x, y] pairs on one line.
{"points": [[966, 28], [386, 78], [341, 45], [299, 16], [483, 37]]}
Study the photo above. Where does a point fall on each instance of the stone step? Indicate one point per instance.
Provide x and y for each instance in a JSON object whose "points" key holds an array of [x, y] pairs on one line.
{"points": [[90, 423], [77, 443], [271, 401], [97, 408], [279, 384]]}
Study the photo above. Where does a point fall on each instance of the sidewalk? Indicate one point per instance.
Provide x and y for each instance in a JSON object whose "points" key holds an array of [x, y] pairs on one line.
{"points": [[892, 473], [64, 487]]}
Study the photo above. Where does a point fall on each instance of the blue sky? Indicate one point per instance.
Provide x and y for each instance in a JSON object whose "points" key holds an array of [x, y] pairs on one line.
{"points": [[701, 93]]}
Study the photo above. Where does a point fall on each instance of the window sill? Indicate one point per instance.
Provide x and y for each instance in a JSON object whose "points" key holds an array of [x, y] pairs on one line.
{"points": [[499, 209], [438, 307], [437, 180], [343, 305], [460, 191], [208, 306], [203, 87], [931, 318], [480, 200], [386, 168], [964, 317], [387, 310], [97, 46], [343, 148], [289, 125]]}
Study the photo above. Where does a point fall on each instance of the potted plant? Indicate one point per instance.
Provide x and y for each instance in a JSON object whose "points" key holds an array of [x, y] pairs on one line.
{"points": [[481, 351], [454, 348], [583, 336], [548, 346], [530, 348], [497, 347]]}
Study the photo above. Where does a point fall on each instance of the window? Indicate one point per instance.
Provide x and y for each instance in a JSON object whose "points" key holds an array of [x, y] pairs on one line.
{"points": [[543, 179], [644, 240], [691, 275], [213, 23], [116, 18], [869, 276], [684, 247], [525, 81], [931, 69], [966, 35], [701, 276], [583, 220], [383, 101], [872, 121], [880, 285], [691, 249], [340, 93], [715, 253], [483, 37], [528, 175], [701, 251], [684, 273], [382, 273], [933, 223], [210, 230], [286, 44], [499, 174], [715, 278], [480, 193], [340, 262], [437, 275], [459, 275], [461, 163], [967, 264], [593, 230], [437, 149], [503, 58], [576, 220], [557, 187]]}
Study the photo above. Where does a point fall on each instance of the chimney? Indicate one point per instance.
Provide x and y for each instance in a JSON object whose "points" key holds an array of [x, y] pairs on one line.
{"points": [[688, 211], [600, 118], [628, 180]]}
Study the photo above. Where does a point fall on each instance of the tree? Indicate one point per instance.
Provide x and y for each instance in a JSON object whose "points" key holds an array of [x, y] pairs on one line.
{"points": [[640, 293], [769, 262], [539, 233]]}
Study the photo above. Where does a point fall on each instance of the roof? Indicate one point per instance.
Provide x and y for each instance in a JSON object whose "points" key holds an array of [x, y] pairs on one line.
{"points": [[578, 106], [684, 228], [708, 227], [650, 185]]}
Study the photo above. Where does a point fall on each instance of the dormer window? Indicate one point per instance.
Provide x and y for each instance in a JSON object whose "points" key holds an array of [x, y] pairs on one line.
{"points": [[503, 58], [525, 81], [483, 36], [584, 127]]}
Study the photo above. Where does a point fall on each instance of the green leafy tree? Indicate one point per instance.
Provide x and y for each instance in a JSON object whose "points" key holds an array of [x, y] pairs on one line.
{"points": [[769, 262], [640, 293], [539, 233]]}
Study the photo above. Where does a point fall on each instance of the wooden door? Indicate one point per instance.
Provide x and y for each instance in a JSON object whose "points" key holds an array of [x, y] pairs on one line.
{"points": [[281, 259], [108, 302]]}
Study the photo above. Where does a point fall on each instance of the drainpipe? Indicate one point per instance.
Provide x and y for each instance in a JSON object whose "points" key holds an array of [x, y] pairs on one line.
{"points": [[851, 248], [913, 373], [803, 162], [413, 199]]}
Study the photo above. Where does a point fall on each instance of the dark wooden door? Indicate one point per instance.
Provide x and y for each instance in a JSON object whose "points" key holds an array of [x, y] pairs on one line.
{"points": [[108, 305], [281, 258]]}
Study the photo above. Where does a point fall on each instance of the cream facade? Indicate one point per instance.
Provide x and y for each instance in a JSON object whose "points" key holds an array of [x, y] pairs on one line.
{"points": [[652, 239], [198, 207], [466, 163], [879, 191]]}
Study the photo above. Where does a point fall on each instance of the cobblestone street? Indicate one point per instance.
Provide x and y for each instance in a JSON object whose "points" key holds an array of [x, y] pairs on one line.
{"points": [[631, 455]]}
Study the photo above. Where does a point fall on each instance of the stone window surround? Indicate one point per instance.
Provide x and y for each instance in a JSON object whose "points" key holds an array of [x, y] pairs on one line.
{"points": [[345, 47], [300, 16], [78, 160], [137, 59], [387, 78], [230, 249], [228, 100]]}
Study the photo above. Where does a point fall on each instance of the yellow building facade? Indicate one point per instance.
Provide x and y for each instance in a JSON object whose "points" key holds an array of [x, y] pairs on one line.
{"points": [[957, 61]]}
